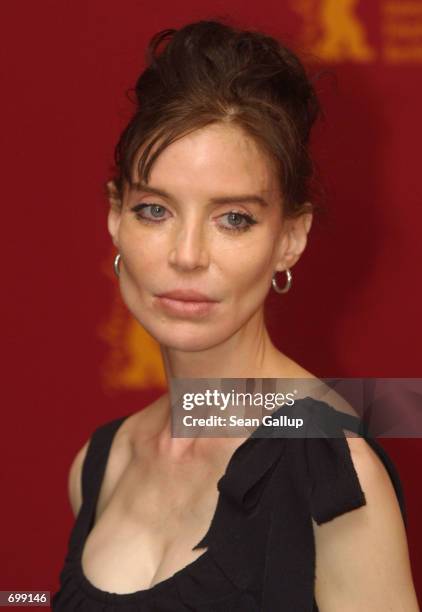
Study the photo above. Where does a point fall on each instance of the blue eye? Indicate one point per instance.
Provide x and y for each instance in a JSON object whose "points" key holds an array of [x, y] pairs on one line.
{"points": [[237, 218], [155, 209]]}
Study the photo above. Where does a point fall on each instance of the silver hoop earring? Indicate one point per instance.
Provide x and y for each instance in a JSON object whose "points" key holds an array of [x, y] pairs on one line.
{"points": [[116, 265], [288, 284]]}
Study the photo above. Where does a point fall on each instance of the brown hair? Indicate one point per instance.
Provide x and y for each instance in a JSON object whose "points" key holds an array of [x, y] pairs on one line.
{"points": [[212, 72]]}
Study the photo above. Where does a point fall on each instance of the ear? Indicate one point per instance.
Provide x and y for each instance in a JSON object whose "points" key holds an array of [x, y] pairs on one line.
{"points": [[114, 214], [293, 239]]}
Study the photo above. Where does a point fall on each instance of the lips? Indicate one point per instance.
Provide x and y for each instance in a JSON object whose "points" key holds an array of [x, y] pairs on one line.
{"points": [[186, 295]]}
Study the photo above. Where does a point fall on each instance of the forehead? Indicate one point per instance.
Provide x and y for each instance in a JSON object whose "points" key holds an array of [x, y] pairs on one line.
{"points": [[215, 156]]}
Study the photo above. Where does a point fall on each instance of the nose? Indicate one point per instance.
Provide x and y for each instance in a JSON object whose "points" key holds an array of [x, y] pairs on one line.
{"points": [[189, 249]]}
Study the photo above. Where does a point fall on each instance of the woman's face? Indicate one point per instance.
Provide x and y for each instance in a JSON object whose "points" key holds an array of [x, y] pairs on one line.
{"points": [[189, 233]]}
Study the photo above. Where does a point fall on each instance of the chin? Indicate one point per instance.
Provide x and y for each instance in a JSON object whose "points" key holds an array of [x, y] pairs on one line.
{"points": [[187, 335]]}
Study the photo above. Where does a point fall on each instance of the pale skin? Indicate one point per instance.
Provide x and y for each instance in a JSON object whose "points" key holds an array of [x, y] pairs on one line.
{"points": [[159, 493]]}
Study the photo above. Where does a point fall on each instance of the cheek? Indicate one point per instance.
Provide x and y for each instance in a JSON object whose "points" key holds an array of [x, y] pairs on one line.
{"points": [[140, 263], [248, 270], [140, 256]]}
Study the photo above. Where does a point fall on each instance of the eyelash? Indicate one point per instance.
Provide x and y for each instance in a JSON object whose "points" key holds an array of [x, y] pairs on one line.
{"points": [[248, 218]]}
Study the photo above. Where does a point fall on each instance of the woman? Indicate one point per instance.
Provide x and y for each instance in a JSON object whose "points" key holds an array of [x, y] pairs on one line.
{"points": [[209, 203]]}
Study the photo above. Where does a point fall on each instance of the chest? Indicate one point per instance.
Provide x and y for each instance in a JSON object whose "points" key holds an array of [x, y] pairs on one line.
{"points": [[146, 526]]}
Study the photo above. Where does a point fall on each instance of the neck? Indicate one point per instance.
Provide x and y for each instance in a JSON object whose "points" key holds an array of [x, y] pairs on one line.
{"points": [[249, 353]]}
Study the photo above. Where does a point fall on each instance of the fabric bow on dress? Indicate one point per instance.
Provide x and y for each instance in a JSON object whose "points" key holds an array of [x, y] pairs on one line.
{"points": [[271, 488]]}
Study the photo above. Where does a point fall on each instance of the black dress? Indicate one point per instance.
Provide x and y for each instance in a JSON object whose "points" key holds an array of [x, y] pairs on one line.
{"points": [[260, 552]]}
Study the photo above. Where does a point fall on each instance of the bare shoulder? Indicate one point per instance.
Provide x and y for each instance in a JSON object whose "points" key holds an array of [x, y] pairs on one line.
{"points": [[362, 557]]}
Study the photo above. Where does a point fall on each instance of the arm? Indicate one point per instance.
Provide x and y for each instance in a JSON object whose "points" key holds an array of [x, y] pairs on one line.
{"points": [[75, 479], [362, 557]]}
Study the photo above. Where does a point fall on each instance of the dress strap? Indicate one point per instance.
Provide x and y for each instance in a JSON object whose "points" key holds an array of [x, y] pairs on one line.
{"points": [[96, 458], [93, 470], [351, 422]]}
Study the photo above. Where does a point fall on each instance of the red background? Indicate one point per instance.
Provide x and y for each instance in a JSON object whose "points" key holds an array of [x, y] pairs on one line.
{"points": [[354, 309]]}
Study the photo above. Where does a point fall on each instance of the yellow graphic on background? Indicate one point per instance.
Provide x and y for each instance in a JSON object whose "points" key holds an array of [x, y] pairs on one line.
{"points": [[402, 31], [134, 359], [333, 31]]}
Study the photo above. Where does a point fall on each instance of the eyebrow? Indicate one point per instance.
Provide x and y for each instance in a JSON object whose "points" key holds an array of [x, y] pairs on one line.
{"points": [[216, 200]]}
